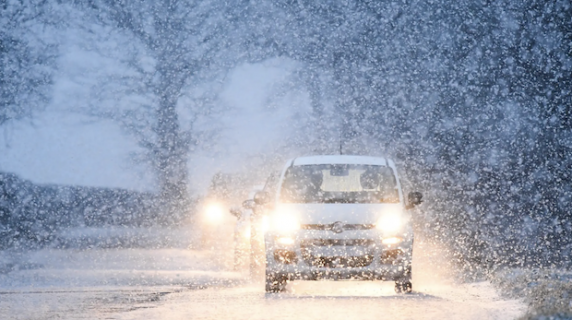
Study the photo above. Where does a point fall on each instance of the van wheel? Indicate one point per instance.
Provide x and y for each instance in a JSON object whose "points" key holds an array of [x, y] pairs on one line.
{"points": [[403, 287], [275, 283]]}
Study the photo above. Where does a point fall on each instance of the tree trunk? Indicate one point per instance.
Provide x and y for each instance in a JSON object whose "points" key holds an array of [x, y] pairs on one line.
{"points": [[171, 155]]}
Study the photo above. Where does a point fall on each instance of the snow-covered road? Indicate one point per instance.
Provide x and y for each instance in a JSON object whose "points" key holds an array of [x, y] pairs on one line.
{"points": [[304, 300], [329, 300], [187, 284]]}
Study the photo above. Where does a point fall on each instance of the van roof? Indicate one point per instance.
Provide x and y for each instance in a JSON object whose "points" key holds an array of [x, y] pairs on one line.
{"points": [[339, 159]]}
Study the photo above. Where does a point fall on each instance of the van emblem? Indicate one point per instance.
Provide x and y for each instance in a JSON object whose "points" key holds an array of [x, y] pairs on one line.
{"points": [[338, 227]]}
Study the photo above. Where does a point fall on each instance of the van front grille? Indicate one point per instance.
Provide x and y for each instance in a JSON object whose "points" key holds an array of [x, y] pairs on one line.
{"points": [[336, 242], [338, 262], [329, 227]]}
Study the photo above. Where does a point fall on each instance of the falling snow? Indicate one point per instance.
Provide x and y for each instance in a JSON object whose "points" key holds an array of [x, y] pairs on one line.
{"points": [[120, 122]]}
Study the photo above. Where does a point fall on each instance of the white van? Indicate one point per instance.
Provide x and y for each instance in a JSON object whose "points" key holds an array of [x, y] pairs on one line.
{"points": [[337, 217]]}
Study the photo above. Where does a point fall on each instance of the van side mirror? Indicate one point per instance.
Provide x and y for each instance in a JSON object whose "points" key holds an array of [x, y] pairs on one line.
{"points": [[248, 204], [414, 199], [235, 211], [261, 197]]}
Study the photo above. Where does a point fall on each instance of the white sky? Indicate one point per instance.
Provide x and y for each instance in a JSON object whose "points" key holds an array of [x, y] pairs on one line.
{"points": [[254, 125], [65, 148]]}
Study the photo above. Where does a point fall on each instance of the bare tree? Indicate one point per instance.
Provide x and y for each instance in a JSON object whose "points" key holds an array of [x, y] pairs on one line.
{"points": [[183, 38], [26, 58]]}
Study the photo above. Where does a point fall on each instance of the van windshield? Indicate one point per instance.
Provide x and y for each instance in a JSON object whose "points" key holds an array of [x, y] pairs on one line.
{"points": [[339, 183]]}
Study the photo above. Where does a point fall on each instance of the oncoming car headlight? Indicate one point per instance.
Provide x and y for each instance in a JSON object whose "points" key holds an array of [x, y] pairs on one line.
{"points": [[214, 212], [391, 221], [284, 221]]}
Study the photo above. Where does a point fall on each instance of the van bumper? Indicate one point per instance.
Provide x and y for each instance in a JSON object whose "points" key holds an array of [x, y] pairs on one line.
{"points": [[351, 257]]}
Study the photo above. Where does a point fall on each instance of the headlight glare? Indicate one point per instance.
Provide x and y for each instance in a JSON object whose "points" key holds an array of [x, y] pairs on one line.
{"points": [[392, 240], [390, 223], [284, 222], [214, 212], [285, 240], [264, 224]]}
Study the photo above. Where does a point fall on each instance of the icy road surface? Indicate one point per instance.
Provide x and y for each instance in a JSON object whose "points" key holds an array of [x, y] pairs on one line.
{"points": [[190, 284], [329, 300], [304, 300]]}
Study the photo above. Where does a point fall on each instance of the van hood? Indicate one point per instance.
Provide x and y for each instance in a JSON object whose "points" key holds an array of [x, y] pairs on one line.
{"points": [[348, 213]]}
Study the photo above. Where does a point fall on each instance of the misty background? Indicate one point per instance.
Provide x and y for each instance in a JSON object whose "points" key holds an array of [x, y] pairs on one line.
{"points": [[119, 113]]}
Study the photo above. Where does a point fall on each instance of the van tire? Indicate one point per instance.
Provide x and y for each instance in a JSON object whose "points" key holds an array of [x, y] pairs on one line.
{"points": [[275, 282], [403, 287]]}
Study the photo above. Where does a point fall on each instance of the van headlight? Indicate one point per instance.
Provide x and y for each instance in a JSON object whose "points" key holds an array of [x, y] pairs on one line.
{"points": [[392, 240], [284, 221], [390, 222]]}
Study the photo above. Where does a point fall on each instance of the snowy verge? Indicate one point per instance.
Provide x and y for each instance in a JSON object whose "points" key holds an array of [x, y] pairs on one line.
{"points": [[547, 292], [56, 268], [127, 237]]}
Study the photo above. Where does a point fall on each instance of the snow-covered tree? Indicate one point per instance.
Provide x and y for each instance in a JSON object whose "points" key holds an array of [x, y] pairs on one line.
{"points": [[471, 95], [182, 39], [27, 55]]}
